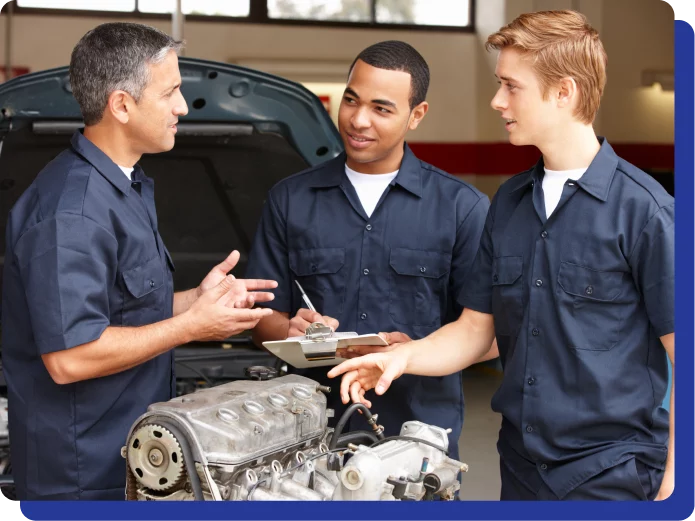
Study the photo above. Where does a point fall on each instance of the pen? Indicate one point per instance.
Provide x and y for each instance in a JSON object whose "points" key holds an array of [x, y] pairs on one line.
{"points": [[306, 299]]}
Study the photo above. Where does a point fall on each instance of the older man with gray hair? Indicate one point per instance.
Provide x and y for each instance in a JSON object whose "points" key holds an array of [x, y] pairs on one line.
{"points": [[90, 316]]}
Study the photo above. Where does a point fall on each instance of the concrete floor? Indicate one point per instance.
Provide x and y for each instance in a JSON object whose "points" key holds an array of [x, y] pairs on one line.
{"points": [[478, 442]]}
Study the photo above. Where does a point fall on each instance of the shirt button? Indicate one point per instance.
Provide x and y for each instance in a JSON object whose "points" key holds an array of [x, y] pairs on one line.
{"points": [[589, 290], [531, 381], [539, 283], [313, 267], [535, 332], [544, 234], [423, 269], [529, 428], [152, 284], [365, 271], [544, 466], [495, 278], [363, 316], [368, 227]]}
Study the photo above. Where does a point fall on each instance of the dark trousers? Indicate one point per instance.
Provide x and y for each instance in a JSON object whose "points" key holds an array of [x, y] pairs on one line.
{"points": [[631, 480]]}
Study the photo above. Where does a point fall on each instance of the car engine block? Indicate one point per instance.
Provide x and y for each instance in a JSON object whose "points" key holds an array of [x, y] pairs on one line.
{"points": [[269, 440]]}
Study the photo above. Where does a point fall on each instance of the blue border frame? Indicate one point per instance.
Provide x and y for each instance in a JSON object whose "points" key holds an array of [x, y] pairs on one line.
{"points": [[679, 506]]}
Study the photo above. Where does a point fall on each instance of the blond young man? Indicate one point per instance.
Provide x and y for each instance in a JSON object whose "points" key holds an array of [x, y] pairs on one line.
{"points": [[574, 276]]}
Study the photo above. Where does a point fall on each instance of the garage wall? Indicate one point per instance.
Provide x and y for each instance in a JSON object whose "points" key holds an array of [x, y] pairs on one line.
{"points": [[638, 35]]}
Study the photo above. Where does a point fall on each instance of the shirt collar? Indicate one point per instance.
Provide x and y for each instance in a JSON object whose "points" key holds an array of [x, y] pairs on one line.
{"points": [[595, 181], [103, 163], [409, 173]]}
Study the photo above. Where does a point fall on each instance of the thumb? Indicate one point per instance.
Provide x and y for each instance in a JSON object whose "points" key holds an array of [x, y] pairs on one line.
{"points": [[220, 290], [390, 374]]}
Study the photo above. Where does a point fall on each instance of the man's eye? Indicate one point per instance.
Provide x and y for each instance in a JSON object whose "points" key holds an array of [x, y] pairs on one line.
{"points": [[348, 100], [383, 110]]}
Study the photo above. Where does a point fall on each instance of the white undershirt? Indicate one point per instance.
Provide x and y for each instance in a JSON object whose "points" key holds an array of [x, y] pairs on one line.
{"points": [[553, 183], [369, 187], [127, 171]]}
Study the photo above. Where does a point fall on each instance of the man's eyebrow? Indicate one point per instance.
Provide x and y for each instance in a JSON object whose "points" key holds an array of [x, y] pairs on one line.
{"points": [[384, 102], [506, 78], [172, 89]]}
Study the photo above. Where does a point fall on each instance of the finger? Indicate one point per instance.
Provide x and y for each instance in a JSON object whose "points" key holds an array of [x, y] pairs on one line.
{"points": [[364, 400], [355, 389], [310, 316], [390, 372], [345, 386], [245, 315], [346, 366], [256, 284], [262, 296], [395, 337], [229, 263], [219, 292], [331, 322]]}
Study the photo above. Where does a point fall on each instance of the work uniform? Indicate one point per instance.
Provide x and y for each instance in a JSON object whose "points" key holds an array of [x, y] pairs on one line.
{"points": [[399, 269], [83, 253], [579, 302]]}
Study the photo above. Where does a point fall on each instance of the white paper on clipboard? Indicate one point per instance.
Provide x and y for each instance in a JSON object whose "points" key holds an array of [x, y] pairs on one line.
{"points": [[290, 350]]}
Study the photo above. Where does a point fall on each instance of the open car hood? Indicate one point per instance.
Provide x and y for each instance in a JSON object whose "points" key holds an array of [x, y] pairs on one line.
{"points": [[245, 131]]}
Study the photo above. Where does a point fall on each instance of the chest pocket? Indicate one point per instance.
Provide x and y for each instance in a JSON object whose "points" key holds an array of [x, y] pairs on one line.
{"points": [[418, 286], [321, 274], [144, 298], [507, 294], [590, 305]]}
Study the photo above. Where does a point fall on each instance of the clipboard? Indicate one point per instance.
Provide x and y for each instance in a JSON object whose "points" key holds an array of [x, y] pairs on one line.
{"points": [[317, 348]]}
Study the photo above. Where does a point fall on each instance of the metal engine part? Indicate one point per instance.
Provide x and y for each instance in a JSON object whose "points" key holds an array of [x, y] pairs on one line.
{"points": [[4, 432], [267, 440]]}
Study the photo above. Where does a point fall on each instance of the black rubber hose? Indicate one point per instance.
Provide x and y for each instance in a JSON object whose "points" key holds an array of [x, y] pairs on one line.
{"points": [[6, 480], [188, 459], [411, 438], [344, 419], [363, 437]]}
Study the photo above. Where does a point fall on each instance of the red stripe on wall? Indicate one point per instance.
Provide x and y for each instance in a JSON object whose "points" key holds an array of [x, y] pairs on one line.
{"points": [[507, 159]]}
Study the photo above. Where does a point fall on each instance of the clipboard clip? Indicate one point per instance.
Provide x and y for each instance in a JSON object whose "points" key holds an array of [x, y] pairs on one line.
{"points": [[319, 342]]}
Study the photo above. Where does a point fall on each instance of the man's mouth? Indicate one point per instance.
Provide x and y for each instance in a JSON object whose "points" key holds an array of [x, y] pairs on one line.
{"points": [[360, 138]]}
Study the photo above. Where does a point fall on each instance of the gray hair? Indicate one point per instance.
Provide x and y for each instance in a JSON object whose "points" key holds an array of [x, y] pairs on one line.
{"points": [[115, 56]]}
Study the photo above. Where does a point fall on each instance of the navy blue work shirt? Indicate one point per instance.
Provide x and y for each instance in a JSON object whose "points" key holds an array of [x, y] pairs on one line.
{"points": [[579, 302], [399, 270], [83, 253]]}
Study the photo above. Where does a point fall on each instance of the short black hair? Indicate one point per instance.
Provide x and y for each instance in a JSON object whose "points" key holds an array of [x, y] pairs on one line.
{"points": [[394, 55]]}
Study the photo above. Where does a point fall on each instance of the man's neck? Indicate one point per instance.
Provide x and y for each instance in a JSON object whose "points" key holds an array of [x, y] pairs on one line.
{"points": [[572, 149], [112, 143]]}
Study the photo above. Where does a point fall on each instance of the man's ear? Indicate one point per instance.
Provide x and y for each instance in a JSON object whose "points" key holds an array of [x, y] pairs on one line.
{"points": [[119, 105], [567, 92], [417, 114]]}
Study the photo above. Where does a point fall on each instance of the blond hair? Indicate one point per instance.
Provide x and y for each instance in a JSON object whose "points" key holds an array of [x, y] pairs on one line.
{"points": [[560, 44]]}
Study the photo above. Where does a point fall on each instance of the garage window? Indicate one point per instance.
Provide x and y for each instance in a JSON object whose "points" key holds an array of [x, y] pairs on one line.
{"points": [[440, 15]]}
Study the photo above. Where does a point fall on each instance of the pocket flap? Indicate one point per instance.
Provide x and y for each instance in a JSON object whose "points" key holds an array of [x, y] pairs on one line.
{"points": [[506, 270], [588, 283], [316, 261], [419, 263], [145, 278]]}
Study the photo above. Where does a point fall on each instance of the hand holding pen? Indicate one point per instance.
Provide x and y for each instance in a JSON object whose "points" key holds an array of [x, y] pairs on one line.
{"points": [[305, 317]]}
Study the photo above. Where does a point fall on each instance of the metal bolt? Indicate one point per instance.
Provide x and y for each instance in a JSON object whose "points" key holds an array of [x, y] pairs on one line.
{"points": [[156, 457]]}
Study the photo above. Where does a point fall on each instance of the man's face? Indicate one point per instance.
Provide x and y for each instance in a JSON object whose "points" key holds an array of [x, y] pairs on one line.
{"points": [[529, 119], [153, 121], [374, 117]]}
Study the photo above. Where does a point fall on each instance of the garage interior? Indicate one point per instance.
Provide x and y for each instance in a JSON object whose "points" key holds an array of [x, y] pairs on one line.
{"points": [[314, 46]]}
